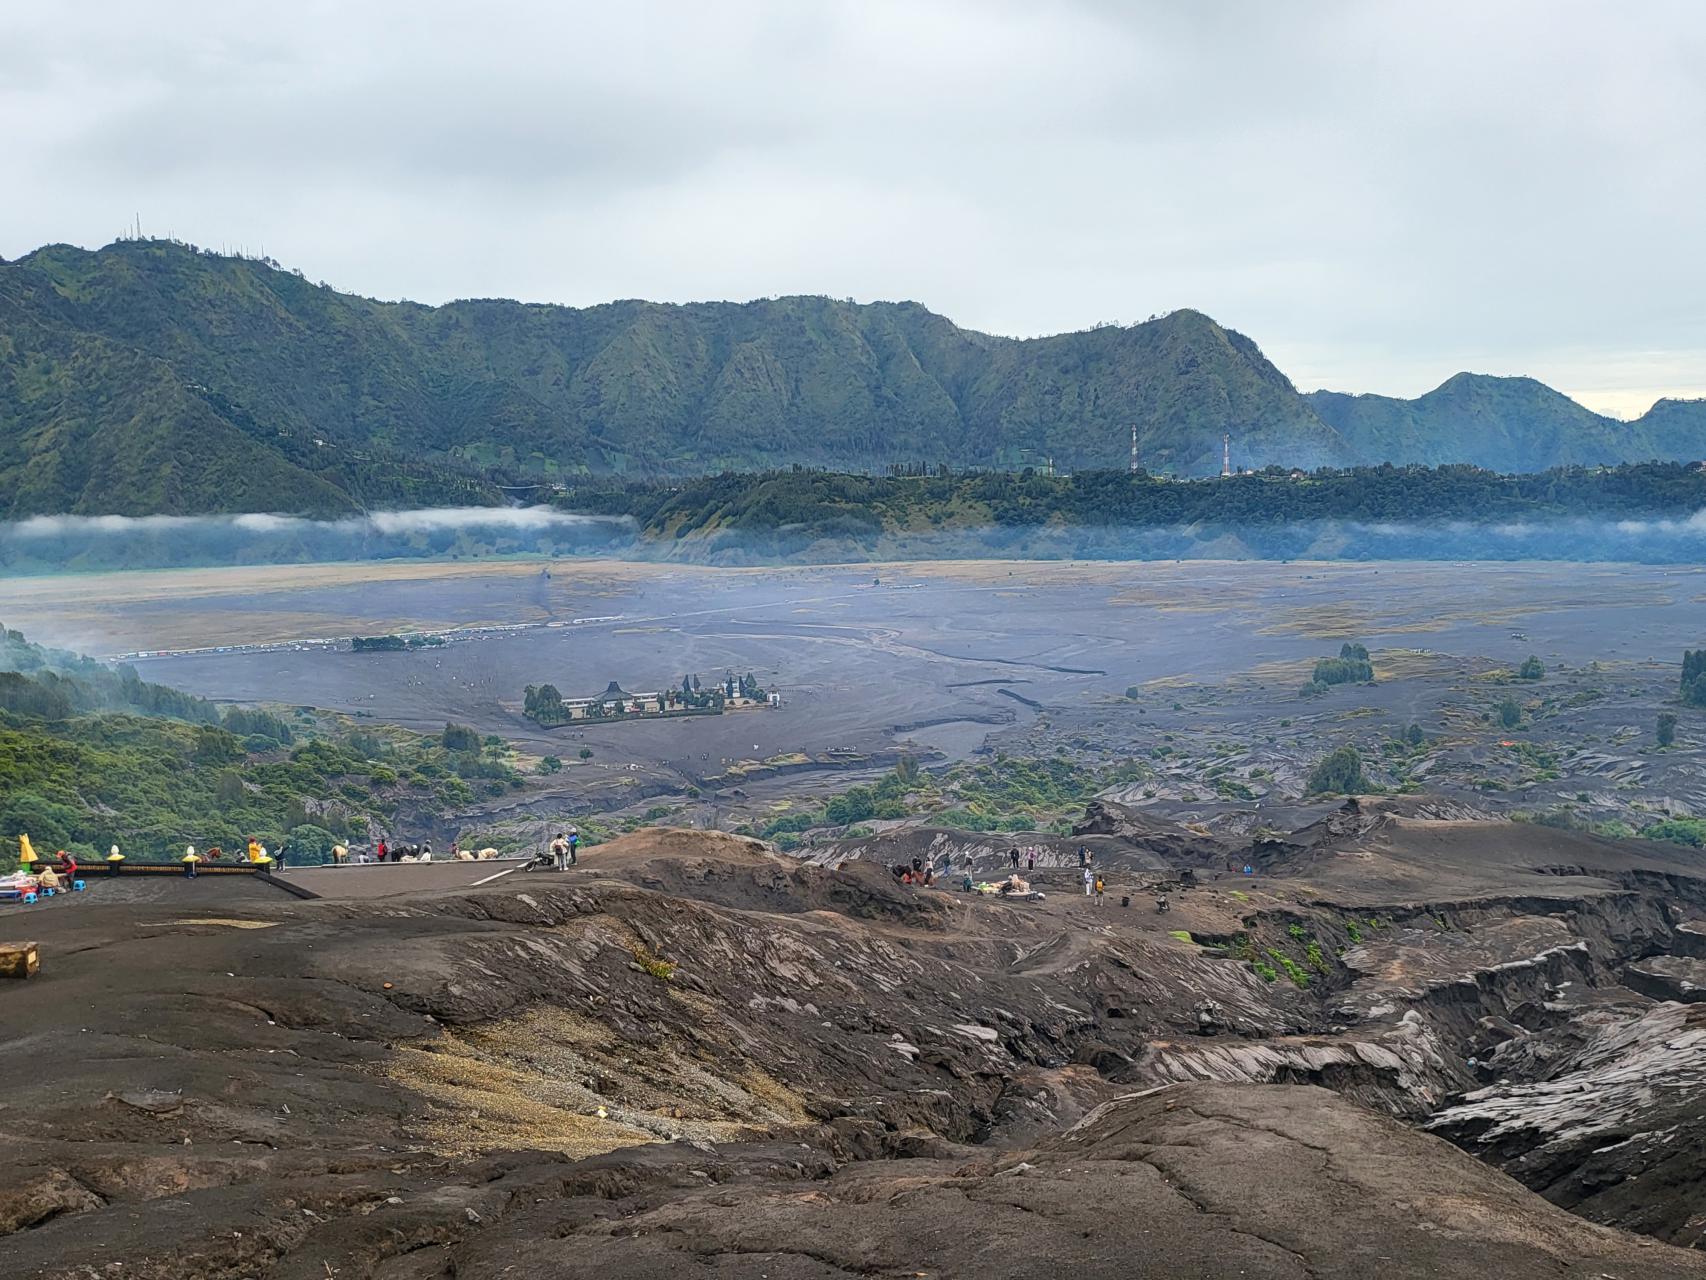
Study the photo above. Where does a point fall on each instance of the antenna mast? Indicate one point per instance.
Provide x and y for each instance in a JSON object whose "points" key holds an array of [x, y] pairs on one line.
{"points": [[1226, 454], [1134, 448]]}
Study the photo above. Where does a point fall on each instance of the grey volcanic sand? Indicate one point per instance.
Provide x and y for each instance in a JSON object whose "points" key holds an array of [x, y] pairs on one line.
{"points": [[854, 658]]}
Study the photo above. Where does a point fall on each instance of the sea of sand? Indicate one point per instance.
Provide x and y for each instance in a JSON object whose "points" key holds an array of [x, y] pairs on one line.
{"points": [[934, 651]]}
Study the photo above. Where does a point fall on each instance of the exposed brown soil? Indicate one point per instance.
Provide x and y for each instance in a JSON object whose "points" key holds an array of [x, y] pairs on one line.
{"points": [[810, 1071]]}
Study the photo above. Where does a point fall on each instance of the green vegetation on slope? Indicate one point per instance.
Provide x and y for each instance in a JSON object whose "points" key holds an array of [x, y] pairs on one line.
{"points": [[151, 377], [341, 389], [819, 505], [1504, 424], [90, 757], [1006, 794], [1338, 773]]}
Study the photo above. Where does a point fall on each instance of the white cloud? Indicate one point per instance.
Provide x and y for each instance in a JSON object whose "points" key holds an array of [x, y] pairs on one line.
{"points": [[429, 520], [1381, 193]]}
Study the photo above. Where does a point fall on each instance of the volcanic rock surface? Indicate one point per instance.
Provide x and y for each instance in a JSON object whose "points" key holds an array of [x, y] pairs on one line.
{"points": [[693, 1055]]}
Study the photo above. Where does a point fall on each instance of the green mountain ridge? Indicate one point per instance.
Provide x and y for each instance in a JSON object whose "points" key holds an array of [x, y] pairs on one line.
{"points": [[1501, 423], [150, 377]]}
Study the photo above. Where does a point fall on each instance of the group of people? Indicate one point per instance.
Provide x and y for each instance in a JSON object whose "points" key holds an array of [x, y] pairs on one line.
{"points": [[384, 852], [1030, 858], [922, 872], [64, 866], [566, 849], [563, 852], [55, 875], [422, 852], [1094, 886]]}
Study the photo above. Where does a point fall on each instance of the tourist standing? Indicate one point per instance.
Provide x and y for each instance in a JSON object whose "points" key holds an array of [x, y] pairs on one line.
{"points": [[1089, 882]]}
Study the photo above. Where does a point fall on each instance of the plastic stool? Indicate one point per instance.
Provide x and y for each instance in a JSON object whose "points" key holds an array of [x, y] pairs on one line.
{"points": [[29, 899], [77, 886]]}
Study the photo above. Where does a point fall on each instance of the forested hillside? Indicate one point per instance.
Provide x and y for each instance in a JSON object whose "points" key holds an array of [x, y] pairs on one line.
{"points": [[826, 504], [1503, 424], [150, 377], [91, 755]]}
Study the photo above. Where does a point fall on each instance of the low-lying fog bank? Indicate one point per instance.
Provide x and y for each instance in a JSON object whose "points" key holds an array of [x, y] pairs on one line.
{"points": [[55, 544]]}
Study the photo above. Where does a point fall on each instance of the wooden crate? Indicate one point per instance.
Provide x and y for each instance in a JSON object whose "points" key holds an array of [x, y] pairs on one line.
{"points": [[18, 960]]}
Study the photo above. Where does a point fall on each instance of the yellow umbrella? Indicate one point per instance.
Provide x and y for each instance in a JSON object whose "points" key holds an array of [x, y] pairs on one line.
{"points": [[26, 854]]}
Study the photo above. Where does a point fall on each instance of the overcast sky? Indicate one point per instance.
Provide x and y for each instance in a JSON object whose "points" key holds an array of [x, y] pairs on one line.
{"points": [[1379, 194]]}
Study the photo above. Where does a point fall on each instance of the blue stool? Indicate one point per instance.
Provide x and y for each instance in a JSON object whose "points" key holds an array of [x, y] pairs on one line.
{"points": [[29, 899], [50, 892], [76, 886]]}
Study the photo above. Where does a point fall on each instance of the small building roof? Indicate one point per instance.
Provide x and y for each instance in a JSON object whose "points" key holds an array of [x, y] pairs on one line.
{"points": [[611, 693]]}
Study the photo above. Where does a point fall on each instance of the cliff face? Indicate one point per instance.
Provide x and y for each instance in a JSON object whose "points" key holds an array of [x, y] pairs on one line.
{"points": [[694, 1050]]}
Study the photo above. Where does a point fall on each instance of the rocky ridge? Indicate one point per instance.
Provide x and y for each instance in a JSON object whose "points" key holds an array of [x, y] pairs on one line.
{"points": [[693, 1048]]}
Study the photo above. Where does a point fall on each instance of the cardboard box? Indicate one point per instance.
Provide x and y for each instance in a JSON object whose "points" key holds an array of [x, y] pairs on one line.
{"points": [[18, 960]]}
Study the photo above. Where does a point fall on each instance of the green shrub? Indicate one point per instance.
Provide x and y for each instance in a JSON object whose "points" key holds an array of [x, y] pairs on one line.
{"points": [[458, 737], [1293, 970], [1350, 667], [1689, 831], [1338, 773]]}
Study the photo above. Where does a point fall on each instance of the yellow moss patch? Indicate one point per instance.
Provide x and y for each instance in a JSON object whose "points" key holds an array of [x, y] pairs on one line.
{"points": [[483, 1106], [538, 1081]]}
